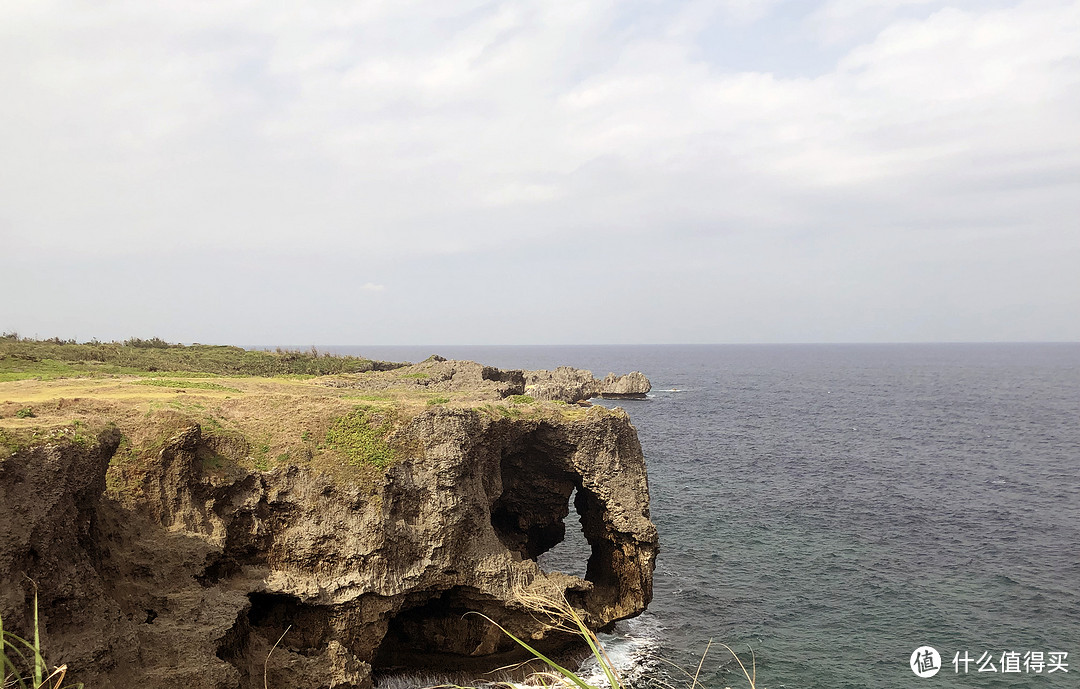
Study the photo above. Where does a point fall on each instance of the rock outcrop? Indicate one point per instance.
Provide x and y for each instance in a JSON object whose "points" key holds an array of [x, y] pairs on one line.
{"points": [[437, 374], [187, 574], [572, 385], [633, 385], [564, 384]]}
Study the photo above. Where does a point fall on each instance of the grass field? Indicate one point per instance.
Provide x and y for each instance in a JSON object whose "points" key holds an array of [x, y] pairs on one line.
{"points": [[50, 390], [48, 359]]}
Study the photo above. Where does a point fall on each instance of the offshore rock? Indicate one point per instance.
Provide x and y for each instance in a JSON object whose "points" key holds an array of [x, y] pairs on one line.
{"points": [[631, 386], [571, 385], [438, 375], [190, 576], [564, 384]]}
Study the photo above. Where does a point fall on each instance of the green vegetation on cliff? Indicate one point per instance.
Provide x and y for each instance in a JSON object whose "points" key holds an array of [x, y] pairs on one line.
{"points": [[21, 359], [259, 410], [361, 436]]}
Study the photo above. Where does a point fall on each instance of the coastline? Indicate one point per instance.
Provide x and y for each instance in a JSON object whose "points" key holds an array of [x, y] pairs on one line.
{"points": [[357, 515]]}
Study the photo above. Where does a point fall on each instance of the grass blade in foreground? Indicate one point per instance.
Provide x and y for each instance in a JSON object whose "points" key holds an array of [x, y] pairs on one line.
{"points": [[560, 613], [13, 657]]}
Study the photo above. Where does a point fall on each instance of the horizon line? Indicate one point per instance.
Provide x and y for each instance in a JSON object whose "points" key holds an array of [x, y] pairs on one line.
{"points": [[693, 344]]}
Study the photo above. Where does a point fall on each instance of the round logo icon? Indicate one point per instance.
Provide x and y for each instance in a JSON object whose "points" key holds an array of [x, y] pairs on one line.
{"points": [[925, 661]]}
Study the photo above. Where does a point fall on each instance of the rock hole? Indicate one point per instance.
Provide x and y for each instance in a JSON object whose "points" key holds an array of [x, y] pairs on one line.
{"points": [[529, 512], [272, 613], [437, 634], [605, 557], [571, 554], [218, 568], [531, 508], [232, 647]]}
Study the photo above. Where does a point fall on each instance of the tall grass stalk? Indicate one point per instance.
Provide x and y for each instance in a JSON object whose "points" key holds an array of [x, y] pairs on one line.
{"points": [[21, 663], [266, 663], [560, 615]]}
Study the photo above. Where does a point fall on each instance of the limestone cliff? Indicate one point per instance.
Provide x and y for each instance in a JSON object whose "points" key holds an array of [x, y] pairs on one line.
{"points": [[186, 572], [568, 384]]}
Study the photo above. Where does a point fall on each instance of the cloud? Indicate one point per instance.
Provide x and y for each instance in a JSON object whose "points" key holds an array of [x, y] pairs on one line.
{"points": [[372, 287], [391, 131]]}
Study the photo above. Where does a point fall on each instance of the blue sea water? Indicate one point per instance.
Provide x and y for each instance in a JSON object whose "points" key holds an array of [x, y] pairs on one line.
{"points": [[834, 507]]}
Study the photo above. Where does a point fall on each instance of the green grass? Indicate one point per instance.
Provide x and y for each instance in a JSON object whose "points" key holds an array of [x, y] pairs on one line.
{"points": [[522, 399], [44, 369], [496, 411], [362, 437], [75, 432], [415, 375], [197, 384], [25, 413], [21, 663], [13, 440], [213, 462], [371, 397], [50, 359], [438, 400], [9, 445]]}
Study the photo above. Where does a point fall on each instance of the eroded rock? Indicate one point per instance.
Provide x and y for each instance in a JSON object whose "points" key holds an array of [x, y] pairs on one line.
{"points": [[435, 374], [633, 385], [564, 384], [192, 578], [572, 385]]}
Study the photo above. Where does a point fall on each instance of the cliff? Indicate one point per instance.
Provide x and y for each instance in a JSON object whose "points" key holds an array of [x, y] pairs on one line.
{"points": [[175, 533]]}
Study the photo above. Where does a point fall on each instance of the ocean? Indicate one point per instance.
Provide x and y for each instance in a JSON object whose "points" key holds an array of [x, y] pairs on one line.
{"points": [[828, 509]]}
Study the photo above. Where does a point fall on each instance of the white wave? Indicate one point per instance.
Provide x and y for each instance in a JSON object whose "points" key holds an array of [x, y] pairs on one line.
{"points": [[632, 650]]}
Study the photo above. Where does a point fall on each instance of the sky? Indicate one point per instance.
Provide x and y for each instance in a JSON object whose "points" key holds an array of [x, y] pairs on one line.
{"points": [[540, 171]]}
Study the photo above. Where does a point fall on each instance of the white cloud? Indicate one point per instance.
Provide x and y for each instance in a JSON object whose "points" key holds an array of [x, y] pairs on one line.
{"points": [[372, 287], [838, 21], [389, 129]]}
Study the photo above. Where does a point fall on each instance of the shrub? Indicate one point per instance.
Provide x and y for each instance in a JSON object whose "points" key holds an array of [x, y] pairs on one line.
{"points": [[30, 358], [152, 343], [438, 400], [522, 399], [25, 413]]}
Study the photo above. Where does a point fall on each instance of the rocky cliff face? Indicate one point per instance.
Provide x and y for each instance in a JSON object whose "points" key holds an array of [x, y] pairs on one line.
{"points": [[567, 384], [188, 576], [633, 385]]}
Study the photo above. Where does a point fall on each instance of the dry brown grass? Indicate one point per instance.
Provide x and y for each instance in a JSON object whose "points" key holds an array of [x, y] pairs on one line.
{"points": [[283, 420]]}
